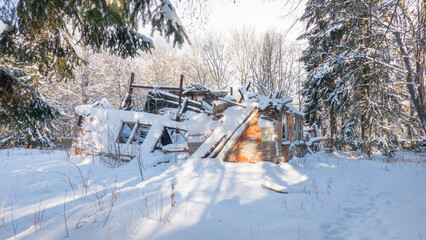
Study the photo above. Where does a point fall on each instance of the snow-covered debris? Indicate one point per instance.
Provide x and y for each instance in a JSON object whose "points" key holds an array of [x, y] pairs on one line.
{"points": [[253, 128], [85, 109], [179, 147], [117, 132]]}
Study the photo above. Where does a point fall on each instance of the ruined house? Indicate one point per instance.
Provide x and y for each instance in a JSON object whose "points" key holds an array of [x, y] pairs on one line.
{"points": [[203, 122]]}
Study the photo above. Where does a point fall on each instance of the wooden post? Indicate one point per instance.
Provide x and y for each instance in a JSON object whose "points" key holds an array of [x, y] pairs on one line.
{"points": [[291, 127], [231, 93], [80, 120], [180, 96], [128, 100]]}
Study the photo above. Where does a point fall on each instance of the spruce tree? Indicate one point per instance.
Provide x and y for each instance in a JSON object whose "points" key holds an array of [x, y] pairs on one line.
{"points": [[324, 32], [348, 59], [46, 36]]}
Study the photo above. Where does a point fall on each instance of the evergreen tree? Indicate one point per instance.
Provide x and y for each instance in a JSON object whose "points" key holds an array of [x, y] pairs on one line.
{"points": [[23, 111], [47, 35], [323, 64], [346, 44]]}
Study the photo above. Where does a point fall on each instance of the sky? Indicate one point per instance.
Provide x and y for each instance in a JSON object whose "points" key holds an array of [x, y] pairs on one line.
{"points": [[261, 14], [225, 15]]}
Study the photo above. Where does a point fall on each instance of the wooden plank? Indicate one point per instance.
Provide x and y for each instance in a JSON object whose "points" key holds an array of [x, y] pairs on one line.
{"points": [[265, 91], [290, 127], [182, 108], [195, 109], [212, 149], [167, 88], [128, 100], [132, 135], [180, 99], [171, 96], [232, 102], [230, 143], [278, 191]]}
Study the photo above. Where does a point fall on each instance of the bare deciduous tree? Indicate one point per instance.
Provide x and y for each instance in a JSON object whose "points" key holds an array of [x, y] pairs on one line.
{"points": [[211, 63], [241, 50], [275, 65], [163, 66]]}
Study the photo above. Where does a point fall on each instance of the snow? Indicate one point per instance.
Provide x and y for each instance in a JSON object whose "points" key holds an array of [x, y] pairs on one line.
{"points": [[294, 110], [275, 187], [330, 196], [145, 39], [102, 127], [85, 109], [170, 13], [176, 147], [200, 125]]}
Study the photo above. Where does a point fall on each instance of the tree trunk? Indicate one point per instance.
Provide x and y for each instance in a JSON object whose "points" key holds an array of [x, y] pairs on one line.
{"points": [[417, 97], [365, 122], [333, 129], [421, 60]]}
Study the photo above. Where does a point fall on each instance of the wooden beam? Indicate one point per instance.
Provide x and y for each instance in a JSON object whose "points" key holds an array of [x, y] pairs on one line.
{"points": [[128, 100], [169, 88], [180, 96], [232, 102]]}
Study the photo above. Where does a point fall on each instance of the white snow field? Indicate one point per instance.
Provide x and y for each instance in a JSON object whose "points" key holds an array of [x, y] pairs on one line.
{"points": [[49, 195]]}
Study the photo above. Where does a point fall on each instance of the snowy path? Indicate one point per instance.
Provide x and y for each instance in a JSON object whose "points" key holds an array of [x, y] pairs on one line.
{"points": [[356, 219], [376, 200], [330, 197]]}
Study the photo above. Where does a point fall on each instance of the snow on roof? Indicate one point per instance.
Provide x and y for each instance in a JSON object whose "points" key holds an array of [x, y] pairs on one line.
{"points": [[294, 110], [103, 126], [85, 109], [195, 86], [265, 101]]}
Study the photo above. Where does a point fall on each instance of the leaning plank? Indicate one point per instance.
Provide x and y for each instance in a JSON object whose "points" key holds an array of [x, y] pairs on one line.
{"points": [[226, 148], [152, 137], [232, 119], [183, 106], [132, 135], [232, 102], [222, 140]]}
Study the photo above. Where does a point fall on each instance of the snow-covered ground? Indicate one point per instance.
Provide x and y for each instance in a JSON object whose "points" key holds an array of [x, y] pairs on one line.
{"points": [[49, 195]]}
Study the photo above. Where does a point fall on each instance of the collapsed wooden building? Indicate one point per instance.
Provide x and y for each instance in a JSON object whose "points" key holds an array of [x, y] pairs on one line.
{"points": [[205, 123]]}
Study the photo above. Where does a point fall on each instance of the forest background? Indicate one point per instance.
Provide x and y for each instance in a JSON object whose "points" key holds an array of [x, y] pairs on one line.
{"points": [[357, 69]]}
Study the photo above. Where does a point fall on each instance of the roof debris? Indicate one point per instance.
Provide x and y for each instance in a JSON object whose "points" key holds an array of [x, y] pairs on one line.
{"points": [[195, 119]]}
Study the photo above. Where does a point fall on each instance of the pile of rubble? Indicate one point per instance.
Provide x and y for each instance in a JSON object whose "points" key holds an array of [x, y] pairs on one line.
{"points": [[247, 127]]}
